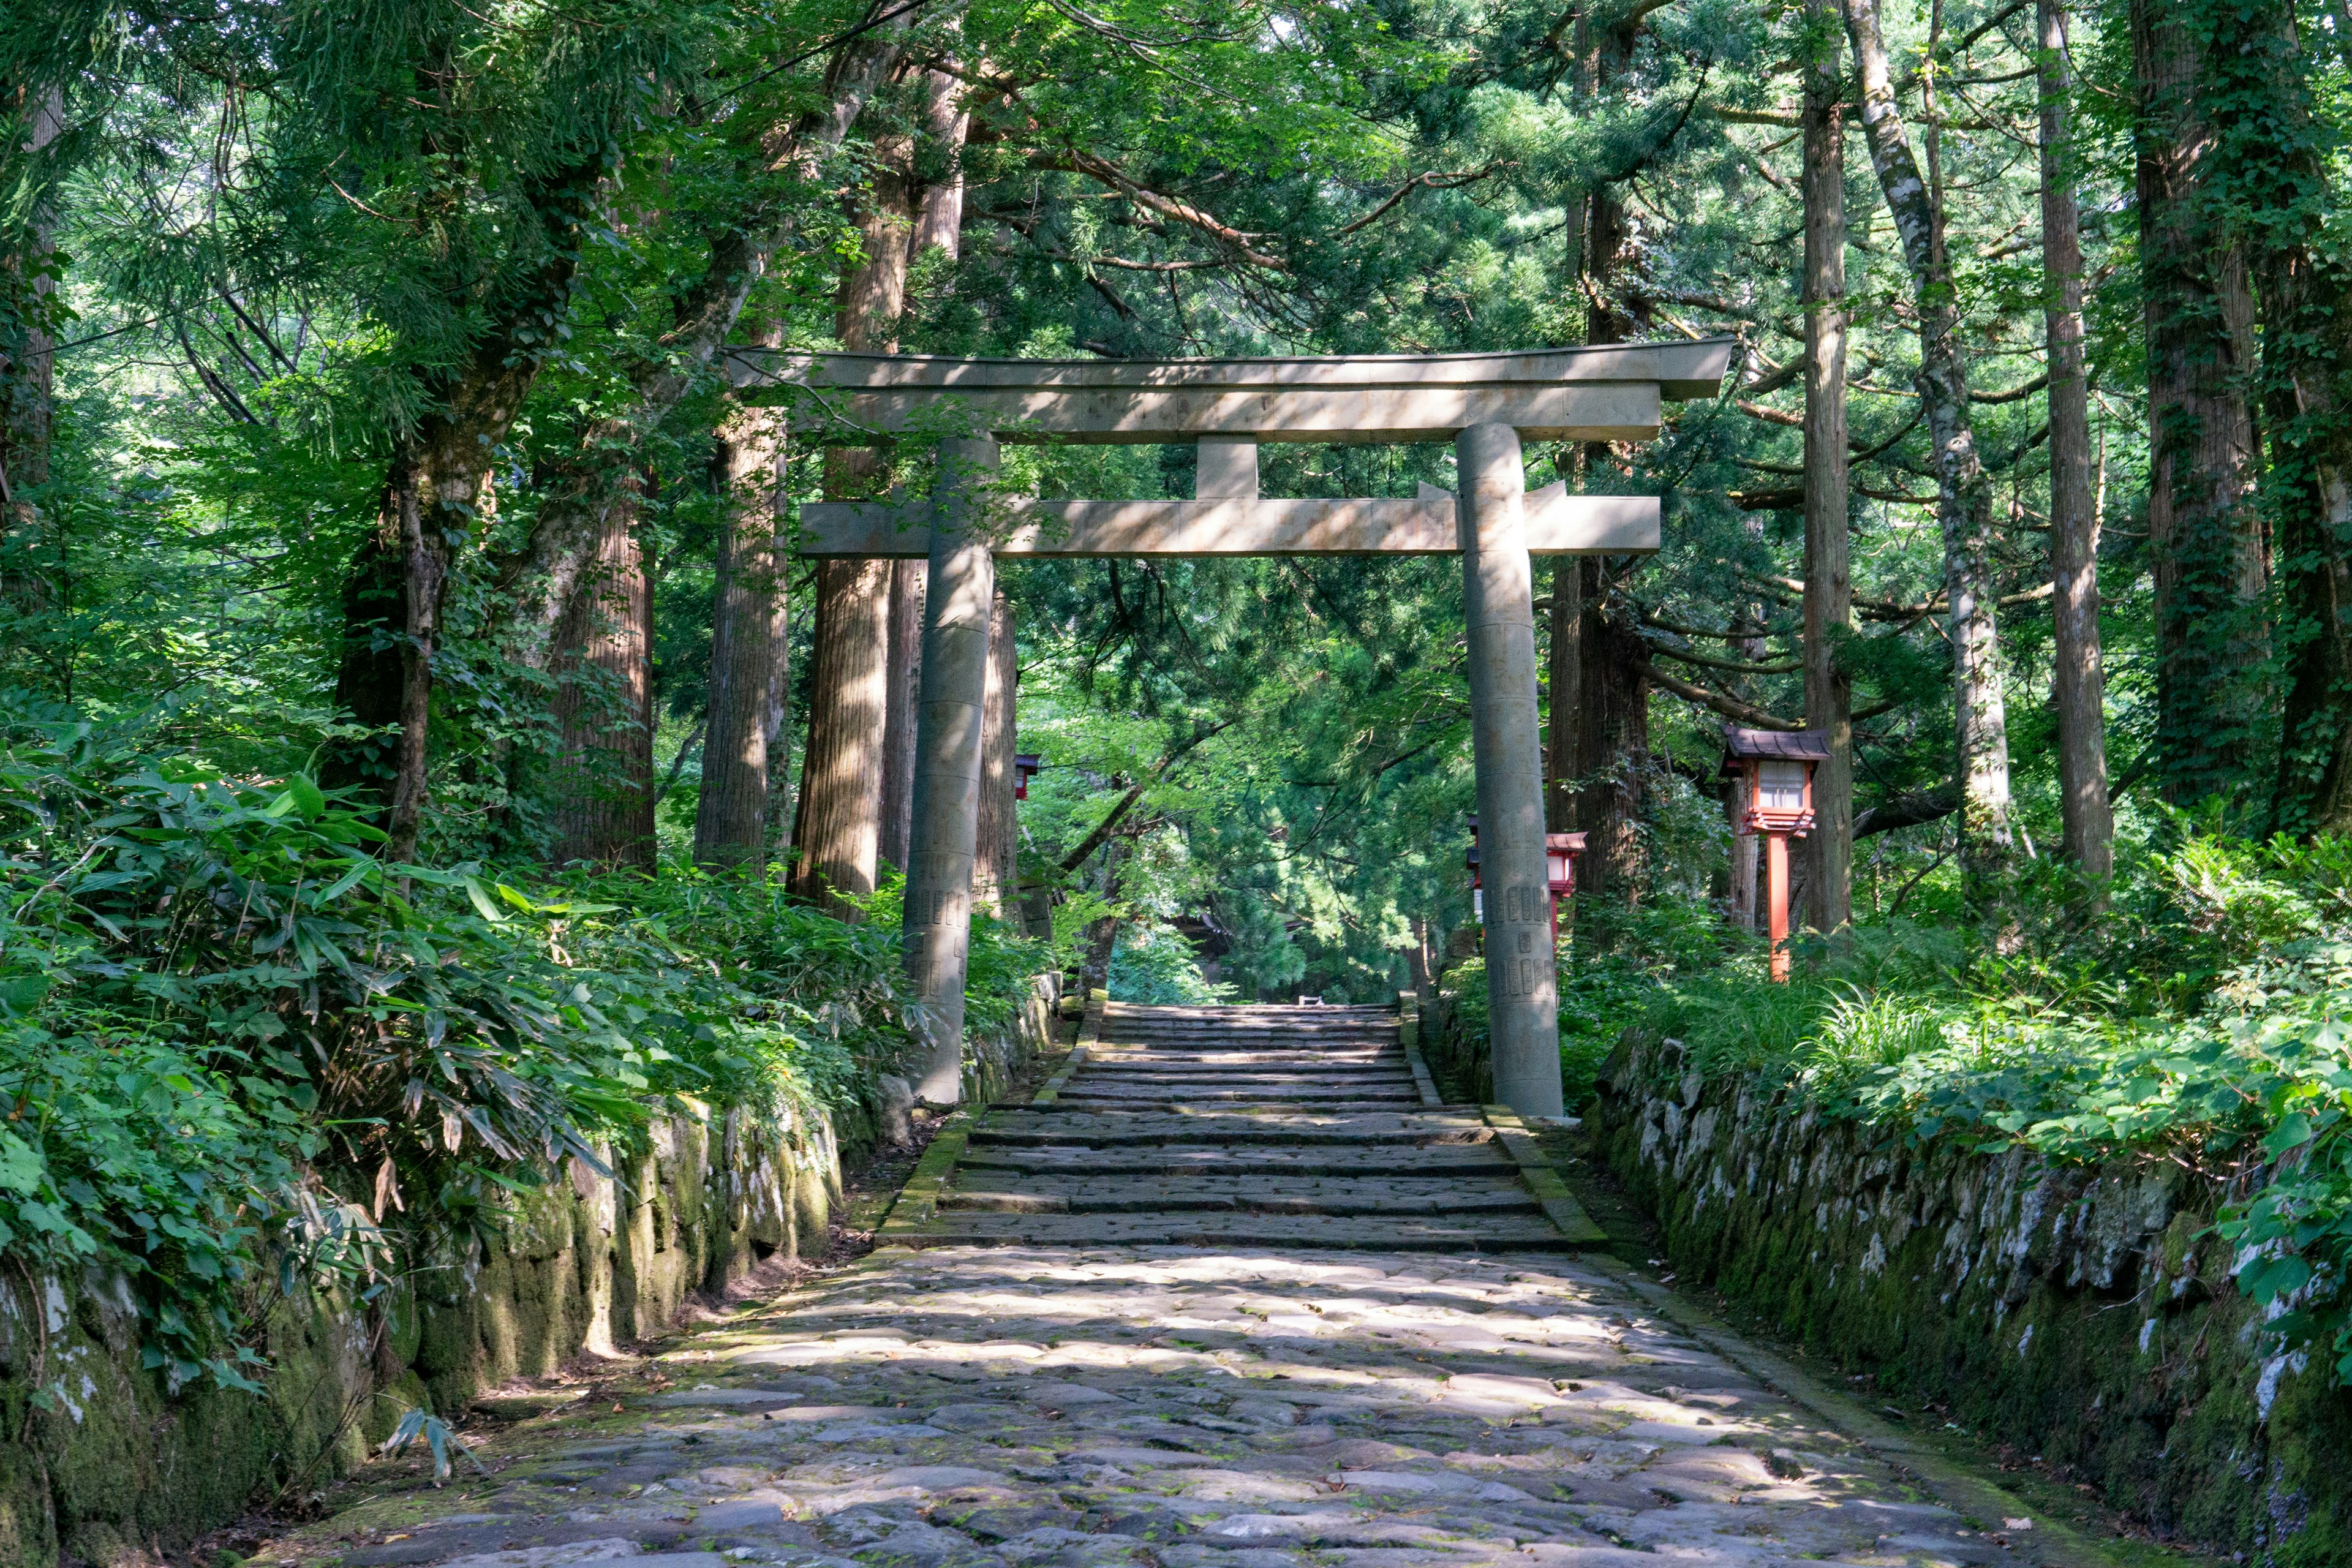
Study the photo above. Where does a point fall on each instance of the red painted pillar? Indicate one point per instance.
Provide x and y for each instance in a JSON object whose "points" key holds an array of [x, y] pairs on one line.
{"points": [[1776, 891]]}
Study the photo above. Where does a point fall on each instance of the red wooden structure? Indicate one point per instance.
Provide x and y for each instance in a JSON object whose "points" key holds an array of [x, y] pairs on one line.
{"points": [[1775, 768]]}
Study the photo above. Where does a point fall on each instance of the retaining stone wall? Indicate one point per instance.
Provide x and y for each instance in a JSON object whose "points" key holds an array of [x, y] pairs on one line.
{"points": [[2083, 1314], [118, 1468]]}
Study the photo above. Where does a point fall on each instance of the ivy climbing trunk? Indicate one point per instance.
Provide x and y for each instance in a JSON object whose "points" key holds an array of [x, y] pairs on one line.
{"points": [[2077, 680], [2205, 534], [435, 501], [2274, 150], [1964, 491], [602, 778]]}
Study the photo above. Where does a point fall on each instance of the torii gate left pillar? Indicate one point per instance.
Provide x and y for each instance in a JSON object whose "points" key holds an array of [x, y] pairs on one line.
{"points": [[1485, 403]]}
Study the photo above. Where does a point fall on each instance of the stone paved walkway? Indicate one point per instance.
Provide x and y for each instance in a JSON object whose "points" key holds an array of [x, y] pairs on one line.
{"points": [[1247, 1404]]}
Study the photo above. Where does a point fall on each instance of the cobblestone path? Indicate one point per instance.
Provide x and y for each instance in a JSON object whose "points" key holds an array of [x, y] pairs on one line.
{"points": [[1254, 1401]]}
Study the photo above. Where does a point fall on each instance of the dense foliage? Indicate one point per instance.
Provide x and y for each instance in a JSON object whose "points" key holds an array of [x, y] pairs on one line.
{"points": [[235, 1037]]}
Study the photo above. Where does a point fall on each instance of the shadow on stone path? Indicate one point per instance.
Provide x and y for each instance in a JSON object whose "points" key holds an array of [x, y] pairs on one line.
{"points": [[1170, 1407]]}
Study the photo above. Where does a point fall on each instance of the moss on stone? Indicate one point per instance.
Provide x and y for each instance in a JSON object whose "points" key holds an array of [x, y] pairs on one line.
{"points": [[2083, 1315]]}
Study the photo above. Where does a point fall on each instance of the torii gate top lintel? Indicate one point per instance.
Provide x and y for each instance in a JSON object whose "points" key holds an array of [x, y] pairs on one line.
{"points": [[1608, 393]]}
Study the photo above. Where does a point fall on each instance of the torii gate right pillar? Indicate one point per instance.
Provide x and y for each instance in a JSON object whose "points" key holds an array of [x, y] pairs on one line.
{"points": [[1498, 601]]}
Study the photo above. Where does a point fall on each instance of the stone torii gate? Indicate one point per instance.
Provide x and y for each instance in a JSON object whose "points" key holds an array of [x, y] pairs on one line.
{"points": [[1486, 404]]}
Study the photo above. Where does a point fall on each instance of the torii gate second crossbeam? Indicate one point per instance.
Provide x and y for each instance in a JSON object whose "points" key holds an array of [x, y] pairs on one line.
{"points": [[1486, 404]]}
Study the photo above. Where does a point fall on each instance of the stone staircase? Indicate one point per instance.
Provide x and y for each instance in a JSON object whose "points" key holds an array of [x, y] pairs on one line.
{"points": [[1293, 1126]]}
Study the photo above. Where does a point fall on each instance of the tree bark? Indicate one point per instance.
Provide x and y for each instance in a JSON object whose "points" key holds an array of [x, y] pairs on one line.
{"points": [[2205, 535], [731, 821], [995, 877], [907, 581], [1564, 684], [1613, 743], [1829, 591], [2276, 158], [841, 771], [947, 122], [2078, 682], [542, 577], [27, 356], [1964, 491], [436, 497], [603, 772]]}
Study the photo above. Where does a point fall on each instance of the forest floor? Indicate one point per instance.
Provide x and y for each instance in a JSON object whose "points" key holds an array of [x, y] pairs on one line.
{"points": [[1240, 1405]]}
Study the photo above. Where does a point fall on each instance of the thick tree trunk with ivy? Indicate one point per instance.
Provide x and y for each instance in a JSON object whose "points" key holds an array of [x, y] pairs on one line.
{"points": [[2205, 533], [436, 497], [543, 576], [1828, 589], [2077, 680], [2274, 150], [1964, 491], [730, 820], [602, 777]]}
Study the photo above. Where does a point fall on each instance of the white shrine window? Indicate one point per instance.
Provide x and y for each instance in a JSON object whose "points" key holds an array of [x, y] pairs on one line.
{"points": [[1781, 786]]}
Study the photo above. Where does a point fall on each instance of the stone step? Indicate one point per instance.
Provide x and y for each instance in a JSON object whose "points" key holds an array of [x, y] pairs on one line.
{"points": [[1304, 1077], [1239, 1040], [1139, 1096], [1436, 1196], [1381, 1233], [1243, 1010], [1386, 1057], [1472, 1159], [1050, 1124]]}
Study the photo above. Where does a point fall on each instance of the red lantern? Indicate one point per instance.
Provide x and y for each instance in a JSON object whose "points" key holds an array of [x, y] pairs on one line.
{"points": [[1560, 850], [1023, 765], [1775, 769]]}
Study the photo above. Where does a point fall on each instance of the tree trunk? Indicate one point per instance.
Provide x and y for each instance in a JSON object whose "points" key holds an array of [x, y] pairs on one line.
{"points": [[908, 579], [1964, 491], [939, 214], [1564, 684], [777, 716], [2205, 535], [603, 772], [839, 828], [1613, 742], [2276, 158], [731, 821], [1829, 591], [27, 356], [841, 771], [565, 539], [995, 876], [2076, 679]]}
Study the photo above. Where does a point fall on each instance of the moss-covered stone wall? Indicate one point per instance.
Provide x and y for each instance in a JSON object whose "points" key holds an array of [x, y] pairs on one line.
{"points": [[101, 1463], [2086, 1315]]}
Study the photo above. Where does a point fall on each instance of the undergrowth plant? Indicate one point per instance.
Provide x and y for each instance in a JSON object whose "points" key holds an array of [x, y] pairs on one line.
{"points": [[238, 1049]]}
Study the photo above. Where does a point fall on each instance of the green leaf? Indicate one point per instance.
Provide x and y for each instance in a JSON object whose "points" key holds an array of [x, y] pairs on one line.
{"points": [[2292, 1133], [309, 799], [479, 897], [22, 1169]]}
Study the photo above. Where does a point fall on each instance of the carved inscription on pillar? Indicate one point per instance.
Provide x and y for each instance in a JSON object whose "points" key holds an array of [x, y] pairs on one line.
{"points": [[939, 901]]}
